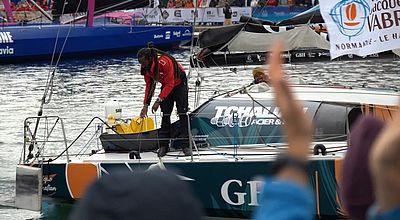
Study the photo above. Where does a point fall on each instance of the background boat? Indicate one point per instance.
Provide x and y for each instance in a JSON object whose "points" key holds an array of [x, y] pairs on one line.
{"points": [[305, 37], [28, 42]]}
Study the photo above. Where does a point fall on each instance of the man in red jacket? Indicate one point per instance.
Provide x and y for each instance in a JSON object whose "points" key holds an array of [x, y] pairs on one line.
{"points": [[158, 66]]}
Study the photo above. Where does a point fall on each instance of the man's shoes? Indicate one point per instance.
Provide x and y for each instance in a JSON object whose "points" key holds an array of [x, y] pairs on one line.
{"points": [[162, 151], [186, 151]]}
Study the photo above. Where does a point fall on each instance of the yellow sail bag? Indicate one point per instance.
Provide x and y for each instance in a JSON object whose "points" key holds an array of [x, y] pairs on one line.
{"points": [[136, 125], [141, 124]]}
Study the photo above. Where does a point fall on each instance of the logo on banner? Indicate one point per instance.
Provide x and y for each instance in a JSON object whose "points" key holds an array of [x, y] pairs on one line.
{"points": [[167, 35], [192, 12], [350, 16], [165, 14], [178, 13]]}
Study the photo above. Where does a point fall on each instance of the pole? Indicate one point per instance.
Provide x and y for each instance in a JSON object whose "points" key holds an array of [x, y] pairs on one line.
{"points": [[90, 13], [7, 7]]}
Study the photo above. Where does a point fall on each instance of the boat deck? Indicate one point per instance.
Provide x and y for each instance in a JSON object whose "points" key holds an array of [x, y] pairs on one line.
{"points": [[244, 153]]}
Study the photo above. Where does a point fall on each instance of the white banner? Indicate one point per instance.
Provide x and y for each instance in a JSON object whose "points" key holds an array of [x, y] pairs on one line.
{"points": [[362, 27], [180, 15]]}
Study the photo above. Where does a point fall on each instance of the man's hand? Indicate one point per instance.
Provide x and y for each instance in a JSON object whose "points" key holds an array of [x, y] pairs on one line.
{"points": [[155, 107], [143, 113]]}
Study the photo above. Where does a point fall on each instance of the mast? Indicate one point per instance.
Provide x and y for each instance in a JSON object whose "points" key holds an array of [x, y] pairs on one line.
{"points": [[7, 7], [90, 13]]}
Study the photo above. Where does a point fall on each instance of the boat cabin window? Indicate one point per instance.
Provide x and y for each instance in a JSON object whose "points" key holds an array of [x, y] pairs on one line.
{"points": [[354, 113], [330, 122]]}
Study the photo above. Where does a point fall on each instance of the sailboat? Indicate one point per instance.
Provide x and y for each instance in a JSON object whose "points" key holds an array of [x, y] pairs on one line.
{"points": [[234, 137], [30, 42], [305, 36]]}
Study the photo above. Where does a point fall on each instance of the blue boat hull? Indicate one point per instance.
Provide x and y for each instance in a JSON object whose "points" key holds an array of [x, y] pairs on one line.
{"points": [[38, 42]]}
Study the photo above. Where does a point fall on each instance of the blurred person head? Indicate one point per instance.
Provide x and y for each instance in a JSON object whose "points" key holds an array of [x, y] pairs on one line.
{"points": [[260, 75], [149, 195], [356, 187]]}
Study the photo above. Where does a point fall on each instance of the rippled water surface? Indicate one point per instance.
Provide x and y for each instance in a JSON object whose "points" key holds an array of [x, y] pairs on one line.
{"points": [[82, 87]]}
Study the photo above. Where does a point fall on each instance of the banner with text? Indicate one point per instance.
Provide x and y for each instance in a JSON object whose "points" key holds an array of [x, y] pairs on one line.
{"points": [[362, 27], [204, 15]]}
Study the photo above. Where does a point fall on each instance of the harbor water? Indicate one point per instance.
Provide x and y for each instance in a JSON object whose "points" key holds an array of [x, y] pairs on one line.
{"points": [[81, 87]]}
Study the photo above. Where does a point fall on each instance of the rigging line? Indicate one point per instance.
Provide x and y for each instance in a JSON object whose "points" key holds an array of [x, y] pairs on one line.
{"points": [[258, 129], [216, 64], [50, 81], [193, 29], [251, 97], [50, 75], [55, 43], [66, 38]]}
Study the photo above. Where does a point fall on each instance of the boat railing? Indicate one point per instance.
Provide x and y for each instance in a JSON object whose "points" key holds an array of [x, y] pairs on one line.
{"points": [[44, 126], [42, 131]]}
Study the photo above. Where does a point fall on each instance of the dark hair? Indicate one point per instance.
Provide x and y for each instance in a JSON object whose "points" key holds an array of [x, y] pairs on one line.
{"points": [[144, 52]]}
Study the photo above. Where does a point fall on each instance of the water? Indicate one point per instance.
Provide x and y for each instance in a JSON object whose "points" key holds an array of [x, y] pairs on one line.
{"points": [[82, 87]]}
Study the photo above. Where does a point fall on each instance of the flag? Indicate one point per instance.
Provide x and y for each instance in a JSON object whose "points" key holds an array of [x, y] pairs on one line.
{"points": [[361, 27]]}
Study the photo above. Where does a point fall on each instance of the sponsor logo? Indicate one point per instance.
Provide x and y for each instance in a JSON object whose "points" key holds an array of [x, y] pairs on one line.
{"points": [[7, 50], [48, 178], [157, 36], [325, 54], [47, 187], [176, 33], [178, 13], [300, 55], [6, 38], [162, 62], [249, 59], [187, 33], [164, 14], [167, 35], [350, 16], [192, 12], [241, 197], [244, 116], [210, 15], [373, 55], [259, 58]]}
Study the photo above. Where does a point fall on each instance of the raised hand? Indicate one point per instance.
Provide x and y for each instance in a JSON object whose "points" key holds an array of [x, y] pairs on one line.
{"points": [[297, 125]]}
